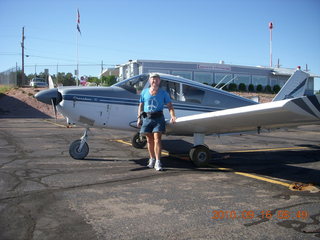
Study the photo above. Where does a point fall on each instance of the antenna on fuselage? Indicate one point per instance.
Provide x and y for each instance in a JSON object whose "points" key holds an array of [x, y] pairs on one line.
{"points": [[228, 82], [221, 80]]}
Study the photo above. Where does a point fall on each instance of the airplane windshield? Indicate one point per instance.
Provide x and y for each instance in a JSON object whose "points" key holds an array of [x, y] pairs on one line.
{"points": [[134, 85]]}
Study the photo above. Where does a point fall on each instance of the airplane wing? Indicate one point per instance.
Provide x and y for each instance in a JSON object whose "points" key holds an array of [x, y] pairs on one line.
{"points": [[284, 113]]}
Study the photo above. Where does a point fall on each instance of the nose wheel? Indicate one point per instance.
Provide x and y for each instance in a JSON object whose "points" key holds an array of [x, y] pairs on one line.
{"points": [[138, 141], [79, 149]]}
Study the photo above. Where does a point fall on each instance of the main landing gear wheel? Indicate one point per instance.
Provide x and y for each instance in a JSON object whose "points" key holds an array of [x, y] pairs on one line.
{"points": [[200, 155], [78, 152], [138, 141]]}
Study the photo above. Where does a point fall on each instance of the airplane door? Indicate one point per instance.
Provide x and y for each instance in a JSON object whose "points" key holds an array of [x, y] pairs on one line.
{"points": [[102, 117]]}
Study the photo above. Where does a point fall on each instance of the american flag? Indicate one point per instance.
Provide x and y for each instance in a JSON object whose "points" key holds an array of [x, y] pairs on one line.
{"points": [[78, 22]]}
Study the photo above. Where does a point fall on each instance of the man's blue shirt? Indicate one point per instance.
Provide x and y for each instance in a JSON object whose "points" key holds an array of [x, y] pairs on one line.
{"points": [[154, 103]]}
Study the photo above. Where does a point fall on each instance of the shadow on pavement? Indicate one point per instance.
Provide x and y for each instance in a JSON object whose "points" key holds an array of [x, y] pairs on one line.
{"points": [[11, 107]]}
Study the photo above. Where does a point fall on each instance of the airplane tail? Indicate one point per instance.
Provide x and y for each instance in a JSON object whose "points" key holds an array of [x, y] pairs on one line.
{"points": [[294, 87]]}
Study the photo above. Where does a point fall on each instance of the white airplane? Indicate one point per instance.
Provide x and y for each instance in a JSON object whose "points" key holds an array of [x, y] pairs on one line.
{"points": [[200, 109]]}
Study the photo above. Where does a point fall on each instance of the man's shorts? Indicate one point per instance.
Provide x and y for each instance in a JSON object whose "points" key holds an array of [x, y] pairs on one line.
{"points": [[153, 125]]}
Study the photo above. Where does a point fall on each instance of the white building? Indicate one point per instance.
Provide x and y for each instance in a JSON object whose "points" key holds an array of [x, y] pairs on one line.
{"points": [[211, 73]]}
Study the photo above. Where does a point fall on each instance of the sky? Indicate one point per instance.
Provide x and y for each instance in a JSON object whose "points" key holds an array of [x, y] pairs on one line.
{"points": [[113, 31]]}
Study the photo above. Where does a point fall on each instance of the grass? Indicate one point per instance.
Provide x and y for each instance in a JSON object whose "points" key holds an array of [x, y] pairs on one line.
{"points": [[4, 89]]}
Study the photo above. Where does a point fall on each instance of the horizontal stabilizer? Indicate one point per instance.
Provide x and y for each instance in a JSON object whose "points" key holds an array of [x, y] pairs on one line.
{"points": [[285, 113]]}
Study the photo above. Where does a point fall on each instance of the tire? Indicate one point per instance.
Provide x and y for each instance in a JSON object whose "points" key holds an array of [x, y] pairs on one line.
{"points": [[200, 155], [74, 150], [138, 142]]}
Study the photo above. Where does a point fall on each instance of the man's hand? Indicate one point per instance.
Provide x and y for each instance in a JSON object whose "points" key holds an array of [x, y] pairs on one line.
{"points": [[139, 123], [173, 119]]}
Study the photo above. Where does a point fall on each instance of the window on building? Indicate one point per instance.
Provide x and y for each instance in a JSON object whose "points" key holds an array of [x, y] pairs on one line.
{"points": [[282, 80], [310, 82], [256, 80], [192, 94], [173, 88], [159, 71], [184, 74], [203, 77], [273, 81], [242, 78], [222, 77]]}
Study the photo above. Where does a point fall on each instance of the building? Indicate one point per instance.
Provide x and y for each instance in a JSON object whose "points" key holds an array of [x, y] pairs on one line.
{"points": [[110, 72], [214, 73]]}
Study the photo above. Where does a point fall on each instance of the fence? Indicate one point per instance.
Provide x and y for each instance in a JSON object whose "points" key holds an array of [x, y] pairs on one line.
{"points": [[9, 77]]}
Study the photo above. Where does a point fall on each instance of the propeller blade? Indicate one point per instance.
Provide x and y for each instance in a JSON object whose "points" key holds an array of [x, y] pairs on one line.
{"points": [[53, 103], [51, 85]]}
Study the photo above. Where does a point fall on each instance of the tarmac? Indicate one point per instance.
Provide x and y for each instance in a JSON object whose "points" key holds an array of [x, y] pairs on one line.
{"points": [[247, 191]]}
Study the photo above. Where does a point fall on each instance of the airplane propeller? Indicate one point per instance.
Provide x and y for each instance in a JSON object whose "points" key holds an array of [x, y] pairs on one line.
{"points": [[54, 106], [50, 96]]}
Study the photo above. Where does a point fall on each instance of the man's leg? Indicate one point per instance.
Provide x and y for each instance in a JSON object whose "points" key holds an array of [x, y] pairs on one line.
{"points": [[150, 141], [157, 145], [157, 150]]}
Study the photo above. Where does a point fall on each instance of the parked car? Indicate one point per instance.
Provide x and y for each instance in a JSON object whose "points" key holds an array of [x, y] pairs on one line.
{"points": [[38, 82]]}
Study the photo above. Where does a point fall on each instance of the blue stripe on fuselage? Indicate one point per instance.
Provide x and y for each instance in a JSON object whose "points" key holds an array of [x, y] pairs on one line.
{"points": [[135, 102]]}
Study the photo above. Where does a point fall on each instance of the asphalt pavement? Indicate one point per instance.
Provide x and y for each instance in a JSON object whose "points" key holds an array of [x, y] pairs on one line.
{"points": [[245, 193]]}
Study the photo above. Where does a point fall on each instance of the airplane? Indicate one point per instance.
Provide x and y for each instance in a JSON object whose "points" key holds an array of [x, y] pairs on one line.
{"points": [[200, 109]]}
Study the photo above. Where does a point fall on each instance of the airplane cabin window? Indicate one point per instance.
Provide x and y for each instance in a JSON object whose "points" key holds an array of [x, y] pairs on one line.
{"points": [[173, 88], [134, 85], [192, 94]]}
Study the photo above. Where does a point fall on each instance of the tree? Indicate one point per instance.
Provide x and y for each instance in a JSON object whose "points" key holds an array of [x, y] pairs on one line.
{"points": [[251, 87], [108, 80], [242, 87], [94, 80], [268, 89], [65, 79], [232, 87], [259, 88], [19, 78], [276, 88]]}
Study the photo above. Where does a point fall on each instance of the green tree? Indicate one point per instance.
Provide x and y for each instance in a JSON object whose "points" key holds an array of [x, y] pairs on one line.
{"points": [[268, 89], [251, 87], [108, 80], [259, 88], [65, 79], [242, 87], [276, 88], [232, 87], [94, 80]]}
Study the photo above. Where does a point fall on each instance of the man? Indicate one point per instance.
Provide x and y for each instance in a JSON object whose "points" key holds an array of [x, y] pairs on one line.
{"points": [[152, 101]]}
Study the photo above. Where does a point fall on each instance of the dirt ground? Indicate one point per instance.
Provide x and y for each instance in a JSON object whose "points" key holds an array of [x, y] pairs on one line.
{"points": [[26, 96], [16, 100]]}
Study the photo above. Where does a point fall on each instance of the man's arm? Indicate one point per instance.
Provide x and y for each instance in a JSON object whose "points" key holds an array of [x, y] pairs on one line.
{"points": [[171, 111], [140, 110]]}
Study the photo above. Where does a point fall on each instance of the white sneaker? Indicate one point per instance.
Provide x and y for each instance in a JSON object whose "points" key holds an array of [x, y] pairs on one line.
{"points": [[158, 166], [151, 163]]}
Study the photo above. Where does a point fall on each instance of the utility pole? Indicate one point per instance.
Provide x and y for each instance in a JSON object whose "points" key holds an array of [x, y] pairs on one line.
{"points": [[22, 46]]}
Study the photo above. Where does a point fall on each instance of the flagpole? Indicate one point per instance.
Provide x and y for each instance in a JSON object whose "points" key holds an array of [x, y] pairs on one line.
{"points": [[77, 80], [77, 32]]}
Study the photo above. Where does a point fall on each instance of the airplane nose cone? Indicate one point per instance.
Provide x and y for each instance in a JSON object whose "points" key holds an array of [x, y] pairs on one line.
{"points": [[46, 96]]}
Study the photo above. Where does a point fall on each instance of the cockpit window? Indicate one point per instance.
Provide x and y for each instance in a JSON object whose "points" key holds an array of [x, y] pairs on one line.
{"points": [[134, 85], [192, 94], [173, 88]]}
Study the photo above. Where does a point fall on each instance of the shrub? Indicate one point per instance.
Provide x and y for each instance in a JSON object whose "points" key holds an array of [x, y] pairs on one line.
{"points": [[251, 88], [232, 87], [259, 88], [276, 88], [268, 89], [242, 87]]}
